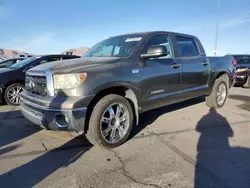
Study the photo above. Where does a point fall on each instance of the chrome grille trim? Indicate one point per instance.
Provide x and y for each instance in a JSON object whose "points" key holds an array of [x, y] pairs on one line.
{"points": [[50, 83], [49, 80], [35, 73]]}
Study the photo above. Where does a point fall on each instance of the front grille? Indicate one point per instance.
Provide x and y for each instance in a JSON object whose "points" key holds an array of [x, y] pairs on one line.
{"points": [[36, 84]]}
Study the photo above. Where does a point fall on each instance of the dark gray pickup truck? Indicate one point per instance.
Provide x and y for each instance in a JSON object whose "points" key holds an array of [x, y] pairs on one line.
{"points": [[103, 93]]}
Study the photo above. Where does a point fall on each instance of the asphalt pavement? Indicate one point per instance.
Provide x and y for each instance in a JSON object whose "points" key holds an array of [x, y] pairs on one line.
{"points": [[181, 145]]}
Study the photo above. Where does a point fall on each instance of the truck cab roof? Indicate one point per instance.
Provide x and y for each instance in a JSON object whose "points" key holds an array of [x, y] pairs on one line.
{"points": [[144, 33]]}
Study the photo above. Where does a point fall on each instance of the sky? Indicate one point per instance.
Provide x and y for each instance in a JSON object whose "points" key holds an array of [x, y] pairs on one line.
{"points": [[52, 26]]}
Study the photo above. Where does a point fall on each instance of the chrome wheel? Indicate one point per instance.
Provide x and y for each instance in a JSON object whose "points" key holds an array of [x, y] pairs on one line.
{"points": [[13, 94], [221, 94], [114, 123]]}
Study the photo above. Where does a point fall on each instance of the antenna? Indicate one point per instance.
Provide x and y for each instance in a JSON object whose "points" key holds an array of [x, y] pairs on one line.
{"points": [[217, 28]]}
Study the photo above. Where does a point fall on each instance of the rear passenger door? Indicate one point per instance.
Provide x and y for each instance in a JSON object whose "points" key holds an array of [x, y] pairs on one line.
{"points": [[195, 66]]}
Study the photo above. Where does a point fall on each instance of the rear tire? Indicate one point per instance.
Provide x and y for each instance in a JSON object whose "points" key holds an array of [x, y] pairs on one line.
{"points": [[247, 84], [112, 117], [219, 93], [12, 94]]}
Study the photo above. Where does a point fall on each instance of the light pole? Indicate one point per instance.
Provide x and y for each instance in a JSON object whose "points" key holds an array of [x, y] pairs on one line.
{"points": [[217, 28]]}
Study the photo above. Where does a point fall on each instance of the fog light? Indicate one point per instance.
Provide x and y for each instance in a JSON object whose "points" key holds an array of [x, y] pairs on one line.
{"points": [[61, 120]]}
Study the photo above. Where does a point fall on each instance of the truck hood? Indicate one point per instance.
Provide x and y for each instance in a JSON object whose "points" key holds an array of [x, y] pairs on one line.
{"points": [[75, 65]]}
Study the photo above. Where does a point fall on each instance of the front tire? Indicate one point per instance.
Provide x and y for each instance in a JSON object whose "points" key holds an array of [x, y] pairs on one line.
{"points": [[247, 83], [111, 121], [12, 94], [219, 93]]}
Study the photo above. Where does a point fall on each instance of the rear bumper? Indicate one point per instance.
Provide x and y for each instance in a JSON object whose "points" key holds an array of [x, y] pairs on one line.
{"points": [[47, 117]]}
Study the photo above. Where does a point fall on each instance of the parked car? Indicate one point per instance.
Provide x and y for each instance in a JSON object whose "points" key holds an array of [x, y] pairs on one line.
{"points": [[10, 61], [242, 70], [103, 93], [12, 79]]}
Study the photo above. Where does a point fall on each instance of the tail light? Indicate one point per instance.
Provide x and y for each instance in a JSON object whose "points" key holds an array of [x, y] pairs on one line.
{"points": [[234, 62]]}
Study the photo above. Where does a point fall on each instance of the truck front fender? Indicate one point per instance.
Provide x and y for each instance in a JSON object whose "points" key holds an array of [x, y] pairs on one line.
{"points": [[127, 90]]}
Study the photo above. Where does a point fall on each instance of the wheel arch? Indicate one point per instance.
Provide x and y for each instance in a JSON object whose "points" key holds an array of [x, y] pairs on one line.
{"points": [[13, 82], [122, 90], [220, 73], [230, 76]]}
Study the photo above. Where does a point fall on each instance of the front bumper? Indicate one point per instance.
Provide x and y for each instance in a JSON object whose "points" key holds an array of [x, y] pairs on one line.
{"points": [[241, 77], [46, 116]]}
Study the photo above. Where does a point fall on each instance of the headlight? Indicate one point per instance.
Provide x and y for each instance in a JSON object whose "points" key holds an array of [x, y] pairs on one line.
{"points": [[68, 81], [242, 70]]}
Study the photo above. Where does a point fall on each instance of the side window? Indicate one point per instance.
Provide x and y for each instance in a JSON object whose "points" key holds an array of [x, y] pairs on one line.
{"points": [[6, 63], [44, 61], [116, 50], [187, 46], [49, 60], [159, 40]]}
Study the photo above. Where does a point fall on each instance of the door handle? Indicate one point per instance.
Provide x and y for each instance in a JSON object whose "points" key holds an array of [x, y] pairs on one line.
{"points": [[204, 63], [175, 65]]}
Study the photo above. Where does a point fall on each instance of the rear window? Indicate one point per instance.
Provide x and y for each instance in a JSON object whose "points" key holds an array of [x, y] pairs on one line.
{"points": [[187, 46], [242, 59]]}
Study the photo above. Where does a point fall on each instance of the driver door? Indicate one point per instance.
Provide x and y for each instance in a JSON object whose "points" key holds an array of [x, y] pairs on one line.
{"points": [[161, 78]]}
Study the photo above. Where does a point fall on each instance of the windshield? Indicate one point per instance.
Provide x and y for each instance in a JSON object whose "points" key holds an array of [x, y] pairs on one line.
{"points": [[120, 46], [244, 59], [22, 63]]}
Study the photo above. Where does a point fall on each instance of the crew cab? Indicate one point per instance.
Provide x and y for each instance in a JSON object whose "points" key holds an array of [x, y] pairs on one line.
{"points": [[242, 70], [103, 93], [12, 78]]}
